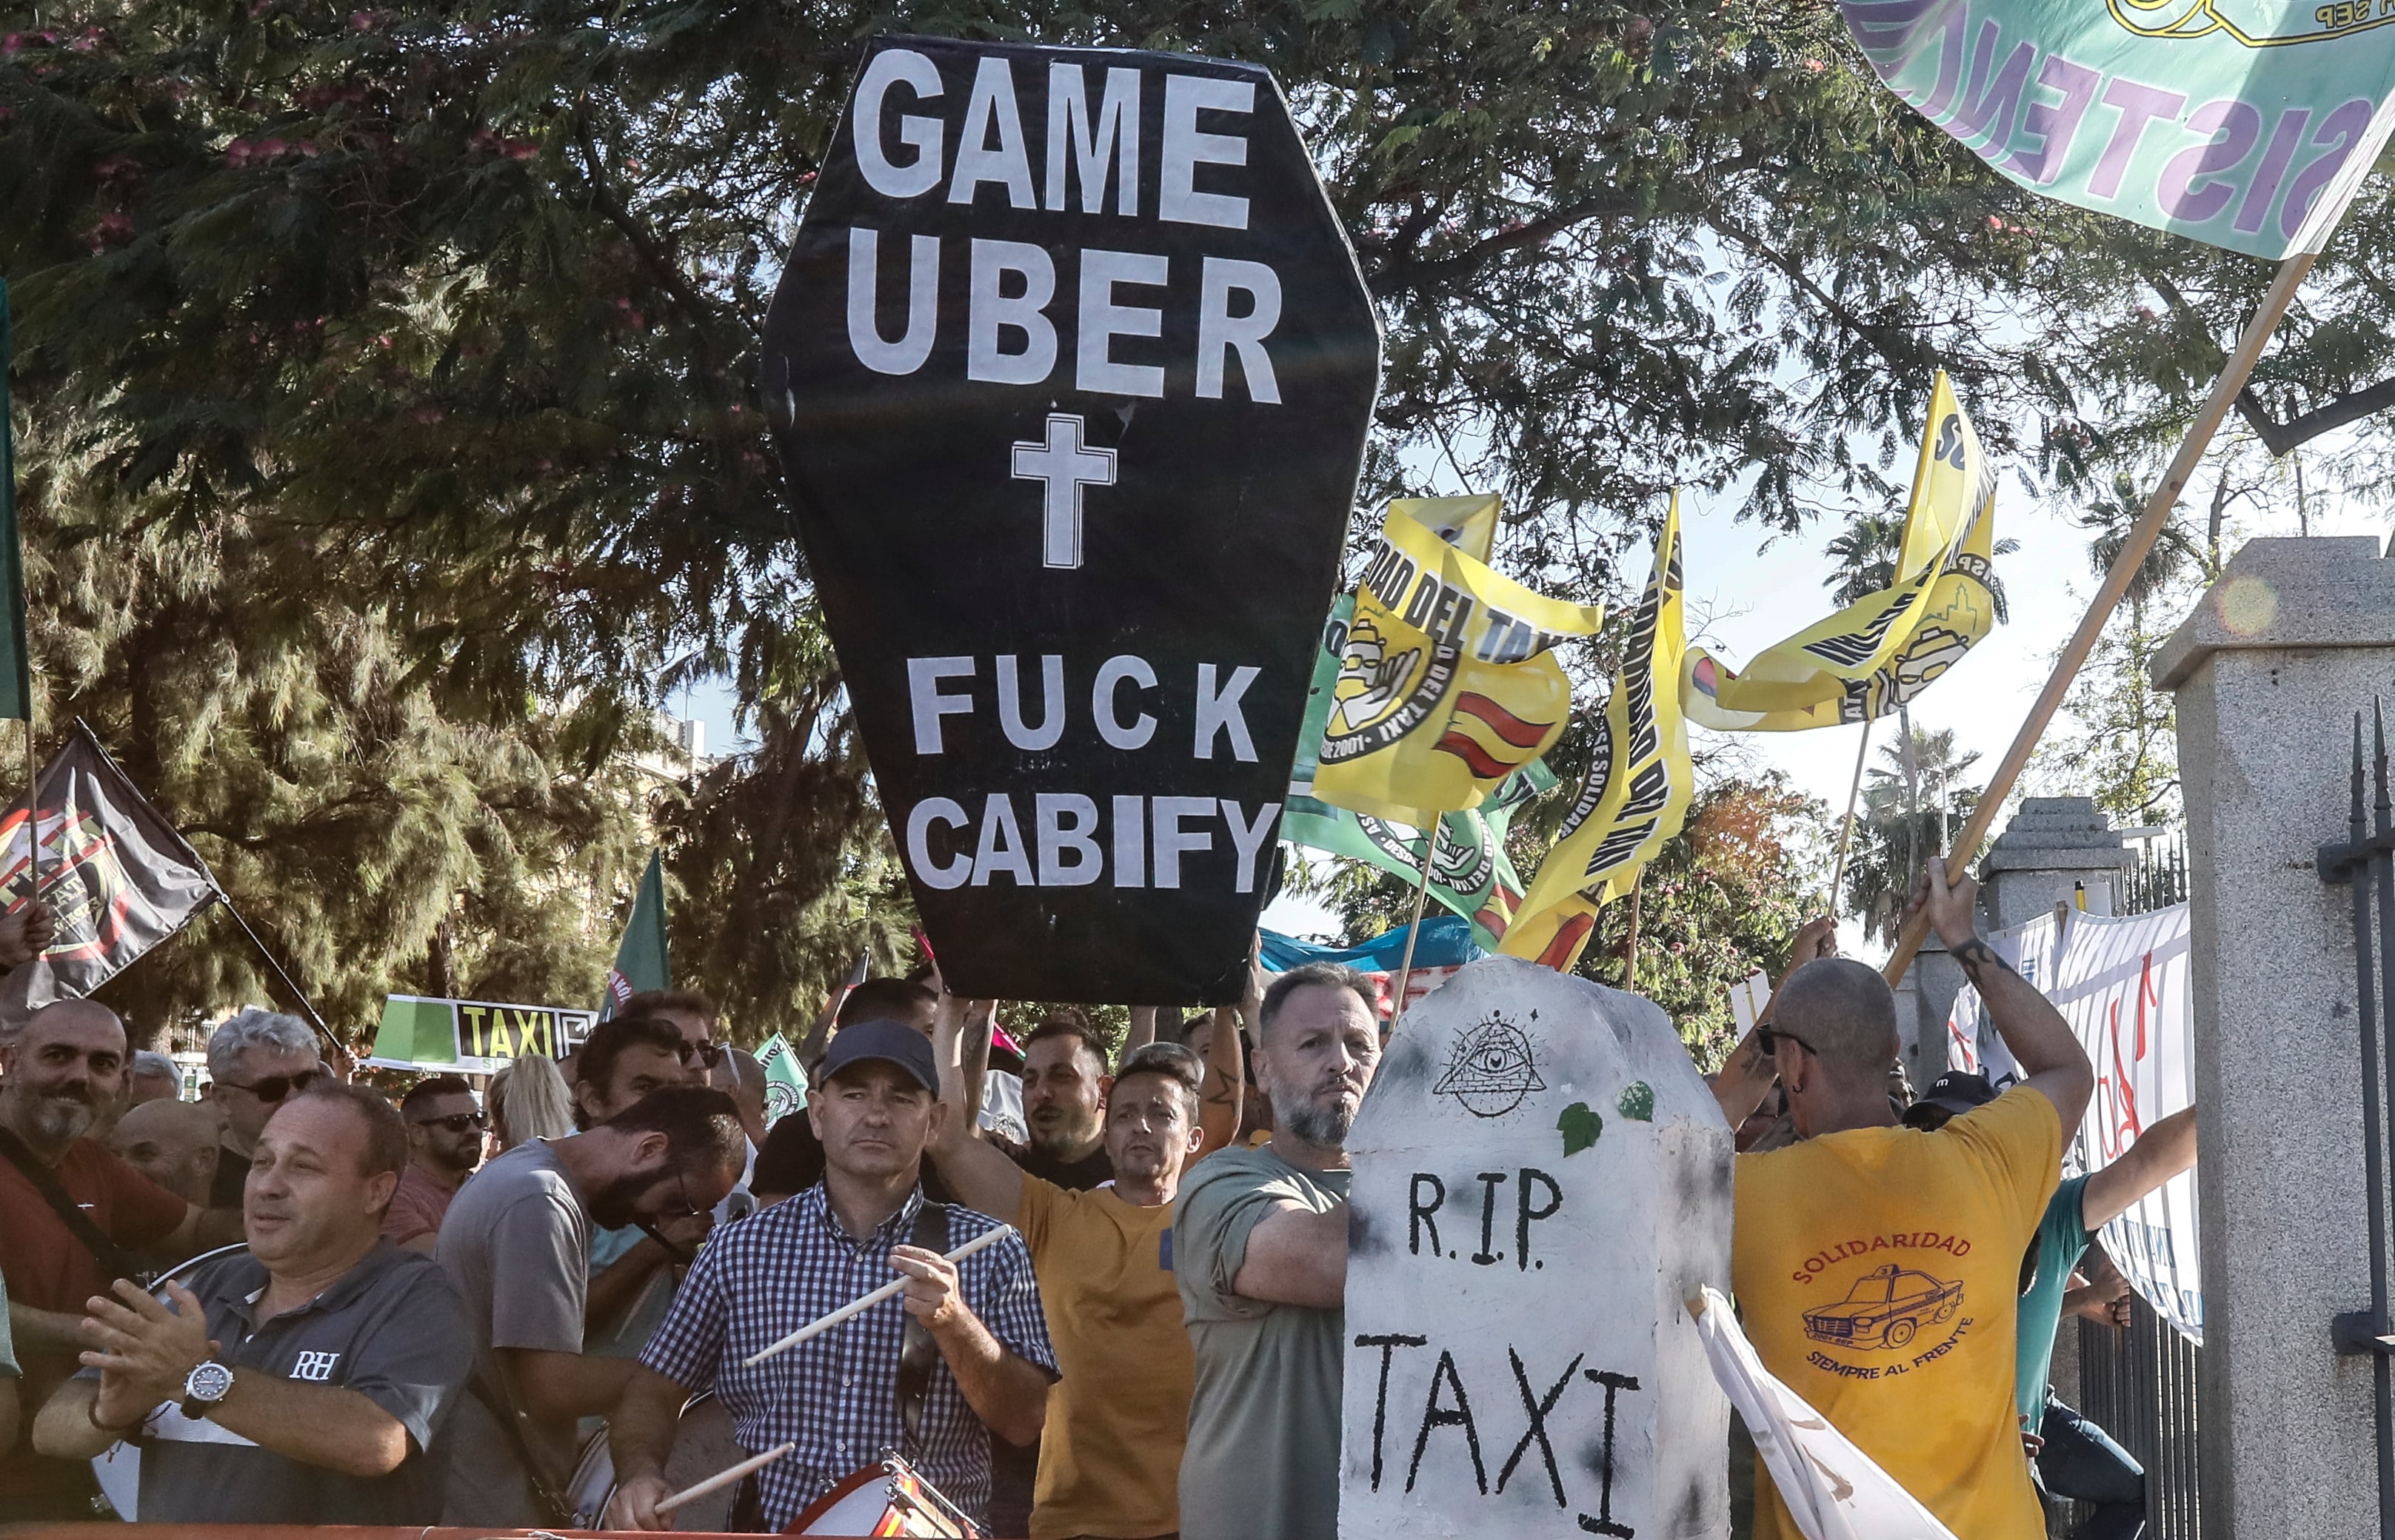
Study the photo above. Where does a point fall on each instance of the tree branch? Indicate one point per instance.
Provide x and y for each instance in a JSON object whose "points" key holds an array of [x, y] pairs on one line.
{"points": [[2281, 437], [669, 277]]}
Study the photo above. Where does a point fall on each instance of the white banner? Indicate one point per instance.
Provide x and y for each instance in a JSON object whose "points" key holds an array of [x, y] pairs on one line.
{"points": [[1832, 1490], [2123, 986]]}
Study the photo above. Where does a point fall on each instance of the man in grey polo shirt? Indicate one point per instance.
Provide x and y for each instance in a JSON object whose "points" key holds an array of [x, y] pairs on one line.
{"points": [[307, 1382]]}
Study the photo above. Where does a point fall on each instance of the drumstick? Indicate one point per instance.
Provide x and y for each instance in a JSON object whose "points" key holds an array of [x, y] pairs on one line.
{"points": [[722, 1478], [858, 1306]]}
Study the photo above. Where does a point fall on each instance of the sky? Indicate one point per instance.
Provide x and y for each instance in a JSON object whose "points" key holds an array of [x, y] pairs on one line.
{"points": [[1743, 593]]}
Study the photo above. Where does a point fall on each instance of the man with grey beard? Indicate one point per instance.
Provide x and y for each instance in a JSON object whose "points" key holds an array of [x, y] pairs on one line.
{"points": [[65, 1065], [1259, 1253]]}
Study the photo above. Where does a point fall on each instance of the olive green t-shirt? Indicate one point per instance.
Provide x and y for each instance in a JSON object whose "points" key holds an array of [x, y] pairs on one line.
{"points": [[1262, 1457]]}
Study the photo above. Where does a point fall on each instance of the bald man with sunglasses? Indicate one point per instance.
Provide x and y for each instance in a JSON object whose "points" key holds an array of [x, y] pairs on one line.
{"points": [[1876, 1265]]}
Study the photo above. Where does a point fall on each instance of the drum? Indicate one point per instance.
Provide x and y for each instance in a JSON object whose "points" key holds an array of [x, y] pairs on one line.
{"points": [[704, 1443], [118, 1468], [890, 1498]]}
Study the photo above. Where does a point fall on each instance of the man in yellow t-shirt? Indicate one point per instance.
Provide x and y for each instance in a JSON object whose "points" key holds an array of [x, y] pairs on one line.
{"points": [[1110, 1456], [1877, 1267]]}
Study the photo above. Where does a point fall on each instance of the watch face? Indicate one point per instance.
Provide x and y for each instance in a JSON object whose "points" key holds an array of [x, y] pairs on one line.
{"points": [[208, 1382]]}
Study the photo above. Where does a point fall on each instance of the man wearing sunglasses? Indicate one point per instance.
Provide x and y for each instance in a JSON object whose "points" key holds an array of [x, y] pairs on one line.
{"points": [[256, 1060], [1876, 1266], [444, 1144], [694, 1015]]}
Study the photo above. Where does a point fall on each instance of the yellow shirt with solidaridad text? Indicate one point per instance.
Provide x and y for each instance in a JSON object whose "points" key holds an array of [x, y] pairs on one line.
{"points": [[1878, 1271]]}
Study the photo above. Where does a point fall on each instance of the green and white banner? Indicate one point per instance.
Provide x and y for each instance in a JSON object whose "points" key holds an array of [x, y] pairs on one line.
{"points": [[473, 1036], [2246, 124]]}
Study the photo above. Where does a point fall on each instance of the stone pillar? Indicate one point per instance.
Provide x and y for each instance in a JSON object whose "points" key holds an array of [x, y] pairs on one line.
{"points": [[1541, 1181], [2269, 671], [1923, 1002], [2051, 844]]}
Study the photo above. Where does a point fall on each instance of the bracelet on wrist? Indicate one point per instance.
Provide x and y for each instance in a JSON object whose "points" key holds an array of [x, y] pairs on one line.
{"points": [[91, 1415]]}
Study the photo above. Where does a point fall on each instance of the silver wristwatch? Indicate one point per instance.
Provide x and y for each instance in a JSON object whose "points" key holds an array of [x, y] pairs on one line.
{"points": [[204, 1387]]}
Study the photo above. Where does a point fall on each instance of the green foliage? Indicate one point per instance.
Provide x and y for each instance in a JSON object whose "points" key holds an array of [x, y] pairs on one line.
{"points": [[1723, 898], [376, 844], [1913, 802]]}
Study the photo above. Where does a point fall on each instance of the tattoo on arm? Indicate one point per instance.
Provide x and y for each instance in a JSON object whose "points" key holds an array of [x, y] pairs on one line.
{"points": [[1219, 1089], [1976, 955]]}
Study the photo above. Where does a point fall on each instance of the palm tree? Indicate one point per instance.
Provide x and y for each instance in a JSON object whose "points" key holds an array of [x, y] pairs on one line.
{"points": [[2110, 517], [1898, 830]]}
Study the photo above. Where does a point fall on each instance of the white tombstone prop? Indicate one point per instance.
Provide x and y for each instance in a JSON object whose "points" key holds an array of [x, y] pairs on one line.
{"points": [[1541, 1181]]}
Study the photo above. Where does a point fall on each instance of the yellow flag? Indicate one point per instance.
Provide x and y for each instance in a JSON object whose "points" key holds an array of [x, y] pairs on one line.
{"points": [[1468, 524], [1638, 787], [1449, 683], [1881, 651]]}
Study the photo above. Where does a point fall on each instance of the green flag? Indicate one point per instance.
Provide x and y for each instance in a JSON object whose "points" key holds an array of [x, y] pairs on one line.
{"points": [[16, 668], [641, 956], [1471, 874], [2246, 124]]}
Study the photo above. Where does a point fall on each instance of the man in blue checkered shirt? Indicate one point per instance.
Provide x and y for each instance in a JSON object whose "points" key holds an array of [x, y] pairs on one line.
{"points": [[875, 1106]]}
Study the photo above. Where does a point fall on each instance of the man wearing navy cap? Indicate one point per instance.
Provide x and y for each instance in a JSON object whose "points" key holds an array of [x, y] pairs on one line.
{"points": [[931, 1375]]}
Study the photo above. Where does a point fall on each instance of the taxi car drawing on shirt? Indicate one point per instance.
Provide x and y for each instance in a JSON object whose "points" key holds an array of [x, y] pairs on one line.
{"points": [[1885, 1309]]}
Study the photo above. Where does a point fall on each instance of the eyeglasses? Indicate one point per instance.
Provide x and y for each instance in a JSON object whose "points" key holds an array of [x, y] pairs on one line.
{"points": [[274, 1087], [456, 1122], [688, 1209], [1768, 1038], [705, 1050]]}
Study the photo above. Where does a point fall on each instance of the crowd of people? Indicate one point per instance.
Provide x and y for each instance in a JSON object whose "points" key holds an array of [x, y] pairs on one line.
{"points": [[1118, 1275]]}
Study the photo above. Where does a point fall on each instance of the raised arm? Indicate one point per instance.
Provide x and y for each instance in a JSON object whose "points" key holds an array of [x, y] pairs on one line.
{"points": [[1746, 1075], [2159, 1154], [2041, 1041], [1224, 1097], [817, 1041], [974, 1170], [1142, 1028]]}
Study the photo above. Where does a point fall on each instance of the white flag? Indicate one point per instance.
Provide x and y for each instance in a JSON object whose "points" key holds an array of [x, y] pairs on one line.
{"points": [[1833, 1490]]}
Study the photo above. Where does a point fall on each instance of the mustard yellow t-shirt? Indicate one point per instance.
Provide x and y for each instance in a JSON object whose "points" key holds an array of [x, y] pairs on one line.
{"points": [[1110, 1457], [1877, 1272]]}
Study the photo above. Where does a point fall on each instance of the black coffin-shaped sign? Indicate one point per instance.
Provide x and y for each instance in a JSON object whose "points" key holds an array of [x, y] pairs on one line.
{"points": [[1072, 369]]}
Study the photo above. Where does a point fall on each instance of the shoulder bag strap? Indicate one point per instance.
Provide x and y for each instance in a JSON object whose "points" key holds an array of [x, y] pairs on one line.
{"points": [[917, 1351], [554, 1509], [113, 1259]]}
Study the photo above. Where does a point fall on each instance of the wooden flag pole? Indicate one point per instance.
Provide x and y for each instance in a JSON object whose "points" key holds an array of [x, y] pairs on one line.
{"points": [[2141, 541], [1847, 827], [1413, 928]]}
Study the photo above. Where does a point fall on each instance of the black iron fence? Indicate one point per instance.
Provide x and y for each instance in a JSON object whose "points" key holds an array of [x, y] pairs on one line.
{"points": [[2158, 881], [2138, 1382], [2364, 864]]}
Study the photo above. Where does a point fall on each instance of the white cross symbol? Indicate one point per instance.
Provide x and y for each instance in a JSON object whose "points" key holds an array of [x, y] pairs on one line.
{"points": [[1064, 467]]}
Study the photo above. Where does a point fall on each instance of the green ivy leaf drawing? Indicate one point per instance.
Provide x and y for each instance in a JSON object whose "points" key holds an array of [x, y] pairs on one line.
{"points": [[1580, 1126]]}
